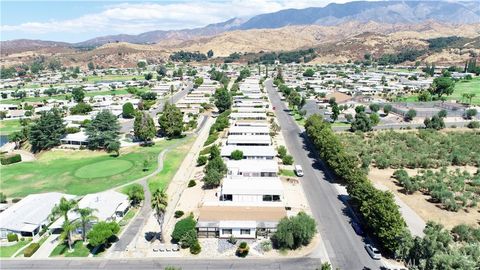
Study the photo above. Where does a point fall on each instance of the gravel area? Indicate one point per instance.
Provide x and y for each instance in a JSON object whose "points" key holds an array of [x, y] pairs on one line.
{"points": [[224, 245]]}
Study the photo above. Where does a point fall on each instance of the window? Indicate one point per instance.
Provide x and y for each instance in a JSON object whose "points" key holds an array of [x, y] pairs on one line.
{"points": [[267, 198], [276, 198], [244, 231], [227, 197], [226, 231]]}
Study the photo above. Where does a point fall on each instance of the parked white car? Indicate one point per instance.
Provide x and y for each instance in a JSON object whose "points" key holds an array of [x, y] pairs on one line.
{"points": [[298, 170], [373, 252]]}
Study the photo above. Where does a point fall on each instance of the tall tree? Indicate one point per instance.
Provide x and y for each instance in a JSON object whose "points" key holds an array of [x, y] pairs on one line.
{"points": [[171, 121], [159, 204], [223, 99], [103, 130], [78, 94], [63, 208], [68, 228], [128, 111], [210, 54], [85, 217], [442, 86], [46, 131], [143, 127]]}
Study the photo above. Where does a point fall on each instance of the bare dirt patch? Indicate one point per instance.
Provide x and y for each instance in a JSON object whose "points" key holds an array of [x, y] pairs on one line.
{"points": [[420, 203]]}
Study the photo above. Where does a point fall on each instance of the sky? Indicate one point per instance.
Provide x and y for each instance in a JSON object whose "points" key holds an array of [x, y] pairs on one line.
{"points": [[75, 21]]}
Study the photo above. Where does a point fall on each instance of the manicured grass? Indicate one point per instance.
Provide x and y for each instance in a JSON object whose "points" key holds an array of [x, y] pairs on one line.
{"points": [[462, 87], [106, 93], [114, 78], [79, 250], [103, 168], [9, 126], [8, 251], [289, 173], [126, 219], [340, 124], [173, 160], [55, 170]]}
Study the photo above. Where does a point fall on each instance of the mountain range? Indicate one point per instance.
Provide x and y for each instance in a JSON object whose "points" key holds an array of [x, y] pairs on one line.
{"points": [[390, 12]]}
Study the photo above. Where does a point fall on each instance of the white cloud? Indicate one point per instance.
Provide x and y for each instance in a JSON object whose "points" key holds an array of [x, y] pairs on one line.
{"points": [[135, 18]]}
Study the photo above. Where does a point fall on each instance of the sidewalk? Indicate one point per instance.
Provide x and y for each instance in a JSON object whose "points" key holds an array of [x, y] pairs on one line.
{"points": [[47, 247], [181, 178]]}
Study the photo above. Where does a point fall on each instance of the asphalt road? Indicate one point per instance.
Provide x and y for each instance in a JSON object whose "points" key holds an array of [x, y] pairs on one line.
{"points": [[127, 126], [344, 247], [161, 263]]}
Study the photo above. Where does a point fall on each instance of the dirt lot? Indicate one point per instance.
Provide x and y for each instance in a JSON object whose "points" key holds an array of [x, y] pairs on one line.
{"points": [[420, 204]]}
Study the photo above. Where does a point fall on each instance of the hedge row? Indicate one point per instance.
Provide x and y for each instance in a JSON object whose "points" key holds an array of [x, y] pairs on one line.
{"points": [[10, 159], [378, 209], [31, 249]]}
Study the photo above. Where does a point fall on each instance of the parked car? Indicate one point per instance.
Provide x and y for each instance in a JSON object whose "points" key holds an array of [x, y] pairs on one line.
{"points": [[298, 170], [373, 252], [357, 227]]}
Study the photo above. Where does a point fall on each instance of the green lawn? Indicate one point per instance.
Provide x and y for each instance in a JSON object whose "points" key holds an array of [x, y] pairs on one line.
{"points": [[289, 173], [173, 160], [59, 170], [461, 87], [93, 79], [79, 250], [340, 124], [8, 251], [9, 126]]}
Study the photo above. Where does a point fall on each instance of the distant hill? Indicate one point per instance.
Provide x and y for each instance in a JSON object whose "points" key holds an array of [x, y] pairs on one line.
{"points": [[390, 12]]}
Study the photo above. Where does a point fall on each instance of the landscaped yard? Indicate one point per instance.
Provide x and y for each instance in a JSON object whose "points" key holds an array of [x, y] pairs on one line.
{"points": [[9, 126], [8, 251], [114, 78], [79, 250], [172, 161], [83, 172], [289, 173], [461, 87]]}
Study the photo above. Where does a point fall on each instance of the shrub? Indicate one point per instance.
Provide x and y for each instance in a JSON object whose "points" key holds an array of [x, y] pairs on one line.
{"points": [[10, 159], [236, 155], [178, 213], [202, 160], [287, 160], [192, 183], [182, 227], [195, 248], [232, 240], [474, 124], [12, 237], [15, 200], [189, 239], [242, 250], [71, 130], [282, 151], [266, 246], [211, 139], [3, 197], [293, 232], [30, 250], [205, 151]]}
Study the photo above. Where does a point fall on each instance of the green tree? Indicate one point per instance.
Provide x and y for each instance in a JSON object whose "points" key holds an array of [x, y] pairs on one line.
{"points": [[410, 115], [435, 122], [135, 193], [103, 130], [470, 113], [144, 127], [142, 64], [78, 94], [295, 231], [113, 146], [183, 227], [148, 76], [85, 217], [162, 71], [91, 66], [171, 121], [210, 54], [236, 155], [102, 232], [387, 108], [223, 99], [46, 131], [68, 228], [442, 86], [374, 107], [81, 108], [159, 203], [3, 197], [362, 123], [63, 208], [128, 111], [309, 72], [374, 119], [335, 112]]}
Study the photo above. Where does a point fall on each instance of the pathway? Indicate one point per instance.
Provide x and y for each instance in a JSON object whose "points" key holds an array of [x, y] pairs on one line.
{"points": [[47, 247]]}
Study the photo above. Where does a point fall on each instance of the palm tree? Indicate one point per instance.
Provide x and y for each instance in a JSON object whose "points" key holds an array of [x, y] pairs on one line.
{"points": [[66, 235], [159, 204], [63, 208], [85, 217]]}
